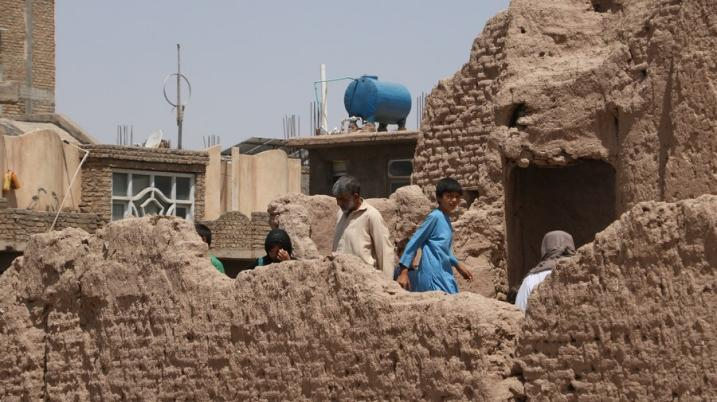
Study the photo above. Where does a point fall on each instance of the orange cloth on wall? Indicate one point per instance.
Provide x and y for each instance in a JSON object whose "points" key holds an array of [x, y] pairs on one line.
{"points": [[10, 181]]}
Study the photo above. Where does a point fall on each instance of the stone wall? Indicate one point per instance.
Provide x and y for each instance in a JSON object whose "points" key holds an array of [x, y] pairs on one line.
{"points": [[97, 173], [27, 84], [557, 83]]}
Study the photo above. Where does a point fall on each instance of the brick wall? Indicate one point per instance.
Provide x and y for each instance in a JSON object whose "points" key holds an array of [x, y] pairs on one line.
{"points": [[458, 140], [38, 96], [459, 119], [103, 159], [237, 232], [259, 229], [17, 225]]}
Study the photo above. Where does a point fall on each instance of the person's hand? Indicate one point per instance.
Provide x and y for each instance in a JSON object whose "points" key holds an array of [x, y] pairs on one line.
{"points": [[403, 280], [283, 255], [465, 273]]}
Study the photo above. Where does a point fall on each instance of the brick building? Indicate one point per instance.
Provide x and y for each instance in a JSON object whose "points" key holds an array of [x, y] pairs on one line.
{"points": [[119, 181], [27, 57]]}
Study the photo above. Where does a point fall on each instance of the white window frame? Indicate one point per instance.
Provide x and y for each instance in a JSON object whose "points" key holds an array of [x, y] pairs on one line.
{"points": [[172, 199]]}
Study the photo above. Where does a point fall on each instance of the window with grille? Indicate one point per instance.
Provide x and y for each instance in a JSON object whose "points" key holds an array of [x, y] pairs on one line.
{"points": [[150, 193], [399, 173]]}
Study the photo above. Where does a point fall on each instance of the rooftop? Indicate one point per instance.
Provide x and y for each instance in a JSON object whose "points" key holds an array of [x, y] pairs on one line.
{"points": [[255, 145], [331, 140]]}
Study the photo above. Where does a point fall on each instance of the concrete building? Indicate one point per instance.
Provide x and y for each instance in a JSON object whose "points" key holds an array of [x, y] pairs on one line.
{"points": [[382, 161]]}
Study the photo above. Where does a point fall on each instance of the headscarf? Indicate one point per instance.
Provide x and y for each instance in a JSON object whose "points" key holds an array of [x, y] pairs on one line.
{"points": [[280, 237], [556, 245]]}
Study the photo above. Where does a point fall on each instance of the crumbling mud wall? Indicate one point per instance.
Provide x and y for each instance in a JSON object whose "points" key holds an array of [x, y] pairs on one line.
{"points": [[632, 316], [310, 221], [137, 311], [555, 83]]}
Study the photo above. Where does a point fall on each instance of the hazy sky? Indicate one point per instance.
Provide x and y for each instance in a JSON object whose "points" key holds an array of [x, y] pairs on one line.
{"points": [[249, 63]]}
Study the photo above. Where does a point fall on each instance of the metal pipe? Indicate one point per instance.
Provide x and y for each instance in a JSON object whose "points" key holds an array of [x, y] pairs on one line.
{"points": [[179, 102], [324, 100], [69, 188]]}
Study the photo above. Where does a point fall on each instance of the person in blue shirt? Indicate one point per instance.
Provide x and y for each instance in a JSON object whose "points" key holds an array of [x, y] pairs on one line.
{"points": [[434, 237]]}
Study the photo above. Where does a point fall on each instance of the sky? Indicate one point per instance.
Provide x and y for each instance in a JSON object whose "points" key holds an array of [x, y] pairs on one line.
{"points": [[249, 63]]}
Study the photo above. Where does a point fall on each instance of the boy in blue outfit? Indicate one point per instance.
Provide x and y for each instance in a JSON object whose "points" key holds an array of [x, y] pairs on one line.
{"points": [[434, 237]]}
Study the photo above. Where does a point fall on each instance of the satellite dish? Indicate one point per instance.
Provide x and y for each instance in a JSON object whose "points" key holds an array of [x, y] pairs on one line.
{"points": [[154, 139]]}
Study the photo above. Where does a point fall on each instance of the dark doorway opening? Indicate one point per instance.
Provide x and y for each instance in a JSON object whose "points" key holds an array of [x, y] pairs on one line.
{"points": [[579, 199], [6, 259]]}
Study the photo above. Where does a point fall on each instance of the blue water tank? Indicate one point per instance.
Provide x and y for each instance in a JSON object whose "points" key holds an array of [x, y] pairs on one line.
{"points": [[378, 101]]}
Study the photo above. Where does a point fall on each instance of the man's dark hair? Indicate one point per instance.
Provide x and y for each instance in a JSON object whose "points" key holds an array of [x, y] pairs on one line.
{"points": [[346, 185], [204, 232], [448, 185]]}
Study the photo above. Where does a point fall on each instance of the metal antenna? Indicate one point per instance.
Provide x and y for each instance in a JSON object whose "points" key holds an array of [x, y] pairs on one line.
{"points": [[178, 105], [180, 108]]}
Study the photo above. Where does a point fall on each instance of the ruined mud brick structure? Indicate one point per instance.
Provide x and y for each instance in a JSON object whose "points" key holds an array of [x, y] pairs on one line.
{"points": [[27, 57], [17, 225], [104, 160], [633, 315], [107, 316], [566, 115], [110, 317]]}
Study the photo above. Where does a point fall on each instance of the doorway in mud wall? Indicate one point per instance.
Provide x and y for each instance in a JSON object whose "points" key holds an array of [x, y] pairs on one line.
{"points": [[6, 259], [579, 199]]}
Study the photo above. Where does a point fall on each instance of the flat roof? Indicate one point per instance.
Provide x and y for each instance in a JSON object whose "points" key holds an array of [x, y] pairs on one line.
{"points": [[255, 145], [332, 140]]}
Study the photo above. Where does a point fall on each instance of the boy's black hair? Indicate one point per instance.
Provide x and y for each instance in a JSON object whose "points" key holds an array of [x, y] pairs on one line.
{"points": [[204, 232], [448, 185], [280, 237]]}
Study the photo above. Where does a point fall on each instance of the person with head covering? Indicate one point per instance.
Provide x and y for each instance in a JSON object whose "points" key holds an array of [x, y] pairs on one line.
{"points": [[435, 239], [206, 234], [556, 245], [277, 246]]}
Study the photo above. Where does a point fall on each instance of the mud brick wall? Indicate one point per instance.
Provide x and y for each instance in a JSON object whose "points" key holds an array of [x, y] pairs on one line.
{"points": [[106, 317], [632, 316], [17, 225], [235, 231], [30, 80], [557, 85], [259, 229], [231, 230], [103, 159], [458, 118]]}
